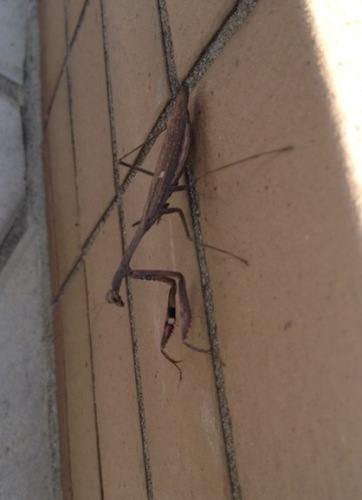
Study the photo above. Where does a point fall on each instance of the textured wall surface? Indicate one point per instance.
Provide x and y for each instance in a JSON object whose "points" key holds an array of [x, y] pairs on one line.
{"points": [[274, 410]]}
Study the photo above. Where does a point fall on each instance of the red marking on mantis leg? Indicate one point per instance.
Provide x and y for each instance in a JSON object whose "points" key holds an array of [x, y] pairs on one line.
{"points": [[170, 315], [170, 325], [171, 278]]}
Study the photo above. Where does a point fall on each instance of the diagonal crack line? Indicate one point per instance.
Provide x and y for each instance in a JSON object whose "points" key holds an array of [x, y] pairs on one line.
{"points": [[121, 218], [227, 28], [85, 249], [217, 43], [168, 46]]}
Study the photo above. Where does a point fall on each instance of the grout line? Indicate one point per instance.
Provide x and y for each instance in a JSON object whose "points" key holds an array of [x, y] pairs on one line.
{"points": [[65, 63], [224, 411], [72, 130], [95, 409], [57, 355], [216, 44], [218, 41], [60, 75], [212, 49], [121, 215], [228, 27], [79, 23], [168, 47], [70, 106], [52, 99], [85, 249]]}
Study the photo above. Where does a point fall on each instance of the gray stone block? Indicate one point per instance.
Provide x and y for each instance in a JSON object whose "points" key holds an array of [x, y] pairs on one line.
{"points": [[12, 164], [13, 15], [27, 415]]}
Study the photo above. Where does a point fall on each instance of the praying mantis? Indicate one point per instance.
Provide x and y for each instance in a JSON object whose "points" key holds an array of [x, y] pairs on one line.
{"points": [[170, 166]]}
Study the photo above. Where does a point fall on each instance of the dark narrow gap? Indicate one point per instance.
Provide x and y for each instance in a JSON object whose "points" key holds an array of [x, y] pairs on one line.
{"points": [[121, 215]]}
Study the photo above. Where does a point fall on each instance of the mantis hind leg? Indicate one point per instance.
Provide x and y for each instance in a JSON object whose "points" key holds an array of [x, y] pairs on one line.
{"points": [[170, 278]]}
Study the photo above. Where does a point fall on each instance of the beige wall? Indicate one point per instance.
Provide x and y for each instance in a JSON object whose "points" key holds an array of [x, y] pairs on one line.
{"points": [[276, 410]]}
